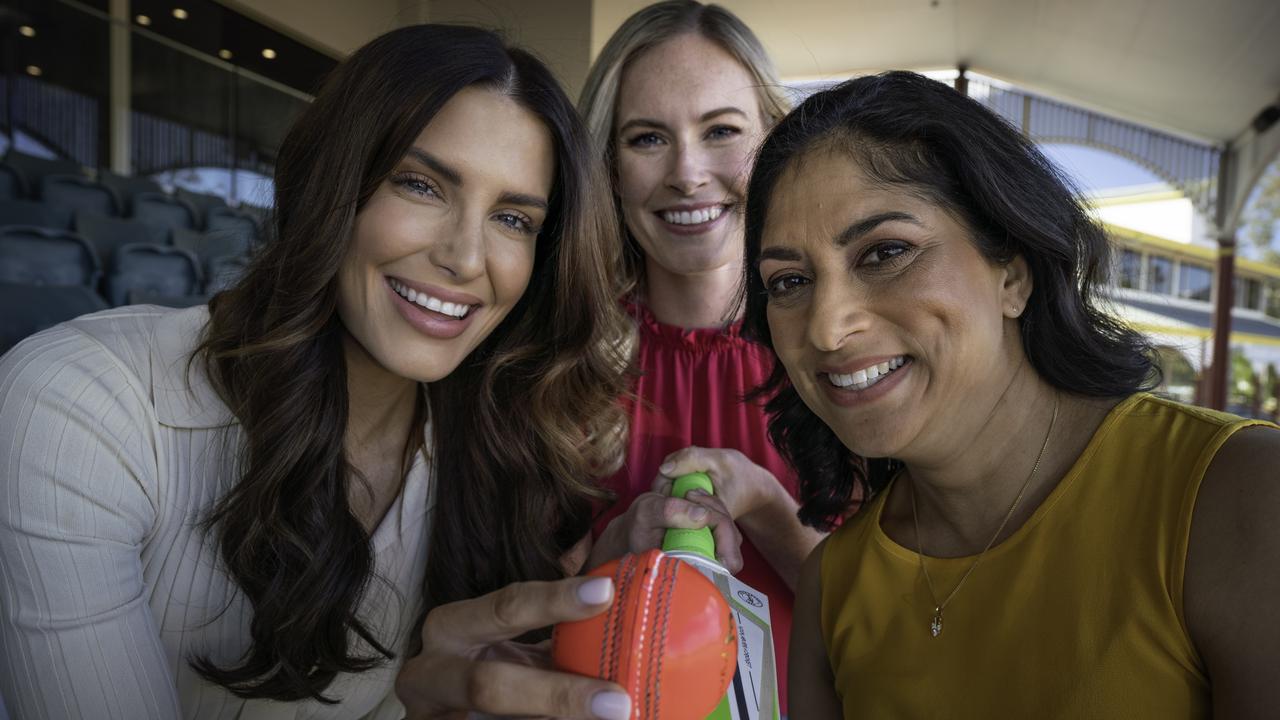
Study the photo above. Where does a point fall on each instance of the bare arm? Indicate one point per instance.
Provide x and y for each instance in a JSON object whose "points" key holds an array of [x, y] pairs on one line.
{"points": [[813, 692], [1232, 582], [759, 504]]}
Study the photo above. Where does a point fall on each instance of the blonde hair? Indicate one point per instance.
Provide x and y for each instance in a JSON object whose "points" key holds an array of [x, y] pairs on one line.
{"points": [[645, 29]]}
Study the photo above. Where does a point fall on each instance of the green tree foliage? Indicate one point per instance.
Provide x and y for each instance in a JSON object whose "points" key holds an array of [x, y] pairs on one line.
{"points": [[1262, 218]]}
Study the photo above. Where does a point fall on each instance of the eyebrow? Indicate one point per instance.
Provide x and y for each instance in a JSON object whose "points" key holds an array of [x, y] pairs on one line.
{"points": [[453, 177], [708, 115], [846, 236]]}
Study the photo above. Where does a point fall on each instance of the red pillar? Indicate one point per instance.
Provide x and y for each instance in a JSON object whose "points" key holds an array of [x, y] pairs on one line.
{"points": [[1222, 322]]}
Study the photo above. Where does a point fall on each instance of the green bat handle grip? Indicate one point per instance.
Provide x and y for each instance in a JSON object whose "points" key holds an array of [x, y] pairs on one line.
{"points": [[699, 542]]}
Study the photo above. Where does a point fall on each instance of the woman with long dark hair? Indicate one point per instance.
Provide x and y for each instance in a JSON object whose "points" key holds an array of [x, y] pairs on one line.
{"points": [[1044, 538], [248, 509]]}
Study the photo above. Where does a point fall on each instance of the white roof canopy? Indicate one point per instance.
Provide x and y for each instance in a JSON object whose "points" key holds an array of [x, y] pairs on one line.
{"points": [[1197, 68]]}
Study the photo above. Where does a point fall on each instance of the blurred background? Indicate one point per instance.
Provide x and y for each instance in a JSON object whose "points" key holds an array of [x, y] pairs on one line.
{"points": [[139, 137]]}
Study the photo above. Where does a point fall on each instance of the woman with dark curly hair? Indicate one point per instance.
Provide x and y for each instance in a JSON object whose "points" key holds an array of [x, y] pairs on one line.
{"points": [[1043, 537], [246, 510]]}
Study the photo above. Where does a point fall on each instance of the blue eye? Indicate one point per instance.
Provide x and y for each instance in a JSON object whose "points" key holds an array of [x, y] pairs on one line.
{"points": [[648, 139], [723, 132], [416, 184], [517, 222]]}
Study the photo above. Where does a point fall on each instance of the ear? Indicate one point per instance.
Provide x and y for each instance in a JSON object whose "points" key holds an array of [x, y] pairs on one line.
{"points": [[1016, 288]]}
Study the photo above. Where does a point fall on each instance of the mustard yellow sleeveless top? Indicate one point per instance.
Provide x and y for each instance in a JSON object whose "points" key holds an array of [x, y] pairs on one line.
{"points": [[1078, 614]]}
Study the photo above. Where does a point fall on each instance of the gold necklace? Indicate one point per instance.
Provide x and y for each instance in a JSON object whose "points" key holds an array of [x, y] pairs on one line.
{"points": [[935, 627]]}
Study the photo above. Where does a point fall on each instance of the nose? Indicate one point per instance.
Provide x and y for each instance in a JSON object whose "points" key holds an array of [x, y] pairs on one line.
{"points": [[688, 169], [837, 315], [461, 253]]}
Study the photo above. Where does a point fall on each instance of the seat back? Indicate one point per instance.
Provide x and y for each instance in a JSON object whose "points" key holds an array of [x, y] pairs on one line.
{"points": [[107, 234], [12, 184], [79, 194], [224, 272], [216, 244], [34, 169], [153, 269], [32, 308], [232, 220], [200, 201], [30, 212], [127, 187], [40, 256], [163, 211]]}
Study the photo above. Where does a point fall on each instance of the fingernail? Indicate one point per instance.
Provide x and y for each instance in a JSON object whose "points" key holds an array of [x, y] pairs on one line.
{"points": [[609, 705], [698, 514], [666, 467], [594, 592], [696, 493]]}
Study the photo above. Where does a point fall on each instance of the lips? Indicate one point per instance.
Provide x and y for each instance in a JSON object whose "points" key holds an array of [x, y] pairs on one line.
{"points": [[862, 382], [692, 219], [454, 314]]}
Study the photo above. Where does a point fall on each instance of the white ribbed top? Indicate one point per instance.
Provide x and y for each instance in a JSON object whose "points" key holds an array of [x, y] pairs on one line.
{"points": [[108, 461]]}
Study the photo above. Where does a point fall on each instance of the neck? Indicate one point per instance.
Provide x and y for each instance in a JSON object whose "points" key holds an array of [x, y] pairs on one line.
{"points": [[965, 488], [698, 300], [380, 404]]}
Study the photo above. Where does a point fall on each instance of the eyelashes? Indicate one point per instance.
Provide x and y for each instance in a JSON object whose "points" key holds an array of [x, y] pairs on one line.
{"points": [[650, 138], [424, 187], [881, 259]]}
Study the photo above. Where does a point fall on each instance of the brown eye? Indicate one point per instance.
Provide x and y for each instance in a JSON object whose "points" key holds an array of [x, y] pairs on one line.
{"points": [[884, 253]]}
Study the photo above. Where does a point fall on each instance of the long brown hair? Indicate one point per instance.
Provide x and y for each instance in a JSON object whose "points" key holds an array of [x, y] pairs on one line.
{"points": [[519, 429]]}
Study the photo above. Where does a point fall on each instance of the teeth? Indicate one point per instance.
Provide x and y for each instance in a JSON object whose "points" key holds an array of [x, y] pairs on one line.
{"points": [[692, 217], [866, 377], [434, 304]]}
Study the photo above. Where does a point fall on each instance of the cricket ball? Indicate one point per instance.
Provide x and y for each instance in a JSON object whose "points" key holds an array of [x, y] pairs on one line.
{"points": [[668, 637]]}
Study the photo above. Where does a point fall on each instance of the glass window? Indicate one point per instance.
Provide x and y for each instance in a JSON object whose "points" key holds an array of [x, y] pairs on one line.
{"points": [[1248, 293], [1130, 269], [1159, 274], [1195, 282], [1273, 300]]}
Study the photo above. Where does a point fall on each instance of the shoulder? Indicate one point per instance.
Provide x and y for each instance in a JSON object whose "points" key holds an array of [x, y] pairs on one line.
{"points": [[1230, 582], [121, 360], [89, 350]]}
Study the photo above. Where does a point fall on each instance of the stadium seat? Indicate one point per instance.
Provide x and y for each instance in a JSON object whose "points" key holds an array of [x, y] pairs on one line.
{"points": [[106, 234], [34, 169], [163, 211], [31, 212], [12, 184], [126, 187], [219, 243], [224, 272], [79, 194], [225, 218], [200, 201], [32, 308], [153, 269], [40, 256]]}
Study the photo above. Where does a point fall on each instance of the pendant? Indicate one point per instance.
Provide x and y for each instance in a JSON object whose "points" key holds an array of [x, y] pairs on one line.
{"points": [[935, 627]]}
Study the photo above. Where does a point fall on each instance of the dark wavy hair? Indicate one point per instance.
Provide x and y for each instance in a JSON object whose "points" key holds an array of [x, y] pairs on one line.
{"points": [[909, 132], [520, 429]]}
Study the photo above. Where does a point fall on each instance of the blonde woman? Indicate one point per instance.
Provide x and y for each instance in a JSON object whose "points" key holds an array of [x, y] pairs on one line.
{"points": [[678, 100]]}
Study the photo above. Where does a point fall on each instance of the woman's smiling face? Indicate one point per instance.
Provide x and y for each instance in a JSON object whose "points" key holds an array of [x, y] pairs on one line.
{"points": [[687, 124], [893, 327], [444, 248]]}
